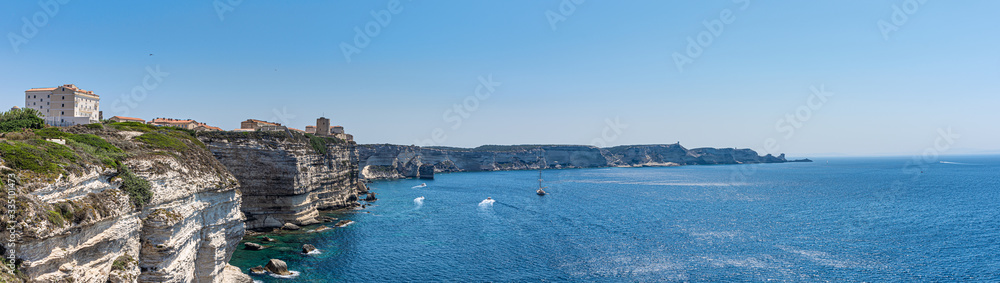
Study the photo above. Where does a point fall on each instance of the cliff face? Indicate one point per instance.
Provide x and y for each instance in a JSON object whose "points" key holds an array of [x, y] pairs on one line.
{"points": [[286, 177], [86, 219], [382, 161]]}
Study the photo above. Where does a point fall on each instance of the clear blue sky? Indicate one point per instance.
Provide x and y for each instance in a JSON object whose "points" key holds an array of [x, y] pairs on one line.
{"points": [[612, 60]]}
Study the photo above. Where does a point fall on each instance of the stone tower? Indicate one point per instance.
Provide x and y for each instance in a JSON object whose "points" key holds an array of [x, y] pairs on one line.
{"points": [[322, 126]]}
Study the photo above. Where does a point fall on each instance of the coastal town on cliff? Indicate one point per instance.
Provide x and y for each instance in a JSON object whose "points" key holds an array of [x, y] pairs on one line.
{"points": [[231, 141], [125, 199]]}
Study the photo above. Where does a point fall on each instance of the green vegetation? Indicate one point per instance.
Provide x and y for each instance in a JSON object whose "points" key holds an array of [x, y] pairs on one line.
{"points": [[318, 143], [96, 148], [188, 131], [121, 262], [95, 126], [138, 189], [37, 155], [51, 133], [132, 126], [160, 140], [55, 218], [21, 118]]}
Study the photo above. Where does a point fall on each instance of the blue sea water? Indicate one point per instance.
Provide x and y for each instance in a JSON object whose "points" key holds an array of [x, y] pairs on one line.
{"points": [[839, 219]]}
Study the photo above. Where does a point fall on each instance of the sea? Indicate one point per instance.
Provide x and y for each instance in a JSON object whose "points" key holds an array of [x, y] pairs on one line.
{"points": [[875, 219]]}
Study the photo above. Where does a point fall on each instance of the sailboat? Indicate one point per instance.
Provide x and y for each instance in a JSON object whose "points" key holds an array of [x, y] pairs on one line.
{"points": [[541, 190]]}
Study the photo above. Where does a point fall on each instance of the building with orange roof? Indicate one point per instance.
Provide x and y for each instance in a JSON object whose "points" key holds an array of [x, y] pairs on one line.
{"points": [[180, 123], [126, 119], [189, 124], [64, 105], [254, 124]]}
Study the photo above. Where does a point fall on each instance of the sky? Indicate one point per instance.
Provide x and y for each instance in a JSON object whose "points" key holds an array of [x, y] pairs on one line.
{"points": [[806, 78]]}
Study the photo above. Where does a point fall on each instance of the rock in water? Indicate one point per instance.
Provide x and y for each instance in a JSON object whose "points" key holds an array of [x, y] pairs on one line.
{"points": [[267, 239], [277, 266], [343, 223], [308, 248], [253, 246], [257, 270], [371, 197], [232, 274], [290, 226]]}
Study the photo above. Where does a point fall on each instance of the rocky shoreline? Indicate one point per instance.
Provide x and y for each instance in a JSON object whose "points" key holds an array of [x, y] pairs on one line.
{"points": [[387, 161], [128, 202]]}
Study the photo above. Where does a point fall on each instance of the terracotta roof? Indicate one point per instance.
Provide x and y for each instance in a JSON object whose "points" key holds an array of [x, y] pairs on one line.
{"points": [[126, 118], [171, 121], [263, 122], [209, 127]]}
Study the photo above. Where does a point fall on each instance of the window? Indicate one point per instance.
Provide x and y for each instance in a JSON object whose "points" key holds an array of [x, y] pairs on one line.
{"points": [[62, 112], [64, 105]]}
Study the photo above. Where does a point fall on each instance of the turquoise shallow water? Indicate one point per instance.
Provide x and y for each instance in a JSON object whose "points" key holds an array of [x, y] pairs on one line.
{"points": [[852, 219]]}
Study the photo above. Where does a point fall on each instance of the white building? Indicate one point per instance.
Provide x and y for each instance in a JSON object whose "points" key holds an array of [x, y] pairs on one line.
{"points": [[64, 105]]}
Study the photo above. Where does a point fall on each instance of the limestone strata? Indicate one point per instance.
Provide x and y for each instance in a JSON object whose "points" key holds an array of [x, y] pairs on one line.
{"points": [[386, 161], [185, 233], [286, 177]]}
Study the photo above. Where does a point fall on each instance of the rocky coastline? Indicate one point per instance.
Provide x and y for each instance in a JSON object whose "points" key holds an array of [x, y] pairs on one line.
{"points": [[288, 177], [387, 161], [130, 202]]}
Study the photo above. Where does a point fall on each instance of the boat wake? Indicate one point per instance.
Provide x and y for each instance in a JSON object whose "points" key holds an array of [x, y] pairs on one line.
{"points": [[419, 202], [419, 186], [293, 275], [486, 203], [955, 163]]}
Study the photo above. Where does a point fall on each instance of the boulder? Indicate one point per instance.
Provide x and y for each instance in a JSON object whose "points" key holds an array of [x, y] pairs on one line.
{"points": [[306, 248], [371, 197], [277, 266], [232, 274], [322, 228], [267, 239], [290, 226], [343, 223], [253, 246], [257, 270]]}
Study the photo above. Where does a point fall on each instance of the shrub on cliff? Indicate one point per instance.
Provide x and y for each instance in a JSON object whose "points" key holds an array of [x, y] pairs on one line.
{"points": [[21, 118], [318, 144], [138, 189]]}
